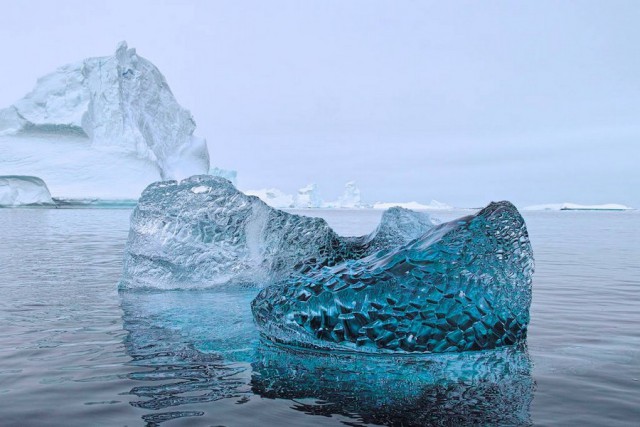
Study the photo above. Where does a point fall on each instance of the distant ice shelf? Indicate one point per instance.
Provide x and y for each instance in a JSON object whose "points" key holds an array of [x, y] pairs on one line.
{"points": [[577, 207], [101, 128]]}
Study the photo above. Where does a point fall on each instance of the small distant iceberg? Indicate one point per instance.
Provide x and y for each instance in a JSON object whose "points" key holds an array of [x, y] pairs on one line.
{"points": [[17, 190], [228, 174], [273, 197], [308, 198], [577, 207], [434, 205]]}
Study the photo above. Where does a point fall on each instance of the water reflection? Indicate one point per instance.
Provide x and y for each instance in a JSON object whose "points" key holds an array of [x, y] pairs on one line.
{"points": [[193, 348], [490, 387]]}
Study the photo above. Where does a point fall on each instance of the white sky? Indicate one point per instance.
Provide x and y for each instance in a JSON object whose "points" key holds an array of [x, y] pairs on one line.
{"points": [[463, 102]]}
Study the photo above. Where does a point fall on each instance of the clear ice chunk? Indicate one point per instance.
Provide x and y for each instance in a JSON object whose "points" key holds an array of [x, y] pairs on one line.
{"points": [[202, 232], [463, 285]]}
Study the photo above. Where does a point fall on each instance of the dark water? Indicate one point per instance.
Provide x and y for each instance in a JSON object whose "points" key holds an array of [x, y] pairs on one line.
{"points": [[75, 351]]}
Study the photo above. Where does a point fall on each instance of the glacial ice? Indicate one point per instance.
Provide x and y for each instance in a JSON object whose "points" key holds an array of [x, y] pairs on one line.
{"points": [[273, 197], [463, 285], [23, 191], [433, 206], [101, 128], [350, 198], [202, 232], [228, 174], [308, 197]]}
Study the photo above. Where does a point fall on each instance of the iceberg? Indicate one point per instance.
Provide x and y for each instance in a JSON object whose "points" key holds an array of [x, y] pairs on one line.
{"points": [[307, 197], [101, 128], [462, 285], [350, 199], [273, 197], [577, 207], [24, 191], [434, 205], [202, 232], [231, 175]]}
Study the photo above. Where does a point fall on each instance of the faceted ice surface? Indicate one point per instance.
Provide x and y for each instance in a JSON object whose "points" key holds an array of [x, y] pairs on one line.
{"points": [[463, 285], [202, 232]]}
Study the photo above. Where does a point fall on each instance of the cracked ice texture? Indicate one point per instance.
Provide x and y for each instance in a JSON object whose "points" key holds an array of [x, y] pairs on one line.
{"points": [[463, 285], [202, 232]]}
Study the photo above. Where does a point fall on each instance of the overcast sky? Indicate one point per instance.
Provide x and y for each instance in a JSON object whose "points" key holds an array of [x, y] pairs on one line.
{"points": [[463, 102]]}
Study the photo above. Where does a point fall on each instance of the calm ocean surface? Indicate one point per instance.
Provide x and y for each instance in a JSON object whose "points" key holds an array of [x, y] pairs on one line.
{"points": [[76, 352]]}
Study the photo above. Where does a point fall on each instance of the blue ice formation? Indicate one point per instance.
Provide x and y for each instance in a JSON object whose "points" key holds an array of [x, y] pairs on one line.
{"points": [[202, 232], [463, 285]]}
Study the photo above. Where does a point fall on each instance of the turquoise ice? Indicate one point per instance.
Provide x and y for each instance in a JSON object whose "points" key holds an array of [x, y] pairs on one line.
{"points": [[463, 285]]}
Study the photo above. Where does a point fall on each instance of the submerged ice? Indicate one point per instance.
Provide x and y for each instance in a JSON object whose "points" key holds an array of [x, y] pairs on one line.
{"points": [[203, 232], [463, 285]]}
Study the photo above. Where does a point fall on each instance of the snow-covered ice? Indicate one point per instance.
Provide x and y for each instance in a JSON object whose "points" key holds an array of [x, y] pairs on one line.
{"points": [[24, 191], [104, 127]]}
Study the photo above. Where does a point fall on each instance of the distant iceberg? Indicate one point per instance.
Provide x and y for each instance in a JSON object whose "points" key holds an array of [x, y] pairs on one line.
{"points": [[308, 197], [231, 175], [350, 199], [273, 197], [101, 128], [24, 191], [577, 207], [434, 205]]}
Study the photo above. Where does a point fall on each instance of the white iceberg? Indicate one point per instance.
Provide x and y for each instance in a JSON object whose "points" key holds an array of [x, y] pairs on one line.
{"points": [[577, 207], [23, 191], [307, 197], [101, 128], [434, 205], [273, 197], [350, 199]]}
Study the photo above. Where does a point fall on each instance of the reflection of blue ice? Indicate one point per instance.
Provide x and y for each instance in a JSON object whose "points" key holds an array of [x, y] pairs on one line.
{"points": [[472, 388], [200, 346]]}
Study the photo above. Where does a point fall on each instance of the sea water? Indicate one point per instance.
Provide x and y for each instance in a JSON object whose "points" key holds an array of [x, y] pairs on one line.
{"points": [[75, 351]]}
